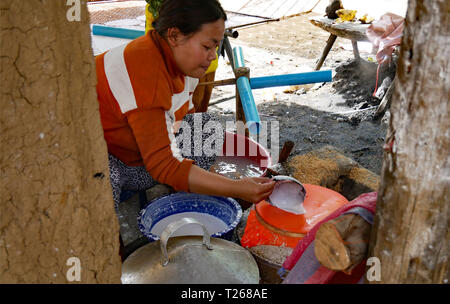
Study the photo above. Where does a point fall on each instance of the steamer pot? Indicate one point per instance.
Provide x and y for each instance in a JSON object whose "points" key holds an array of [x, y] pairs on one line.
{"points": [[190, 260]]}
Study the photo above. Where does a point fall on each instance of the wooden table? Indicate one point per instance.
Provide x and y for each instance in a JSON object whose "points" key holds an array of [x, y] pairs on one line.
{"points": [[355, 31]]}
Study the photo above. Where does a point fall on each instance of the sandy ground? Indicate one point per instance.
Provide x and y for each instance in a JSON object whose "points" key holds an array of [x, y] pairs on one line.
{"points": [[338, 113]]}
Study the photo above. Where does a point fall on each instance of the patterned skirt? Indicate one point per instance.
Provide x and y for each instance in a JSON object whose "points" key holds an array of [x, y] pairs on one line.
{"points": [[125, 177]]}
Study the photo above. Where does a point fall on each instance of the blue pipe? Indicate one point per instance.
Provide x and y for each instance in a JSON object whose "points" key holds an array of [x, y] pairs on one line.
{"points": [[248, 105], [245, 92], [238, 57], [117, 32], [290, 79]]}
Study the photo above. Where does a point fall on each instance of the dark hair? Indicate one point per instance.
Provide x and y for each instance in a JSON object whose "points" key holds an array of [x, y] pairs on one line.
{"points": [[187, 15]]}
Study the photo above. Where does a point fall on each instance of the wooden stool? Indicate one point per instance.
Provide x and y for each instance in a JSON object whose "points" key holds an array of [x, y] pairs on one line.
{"points": [[348, 30]]}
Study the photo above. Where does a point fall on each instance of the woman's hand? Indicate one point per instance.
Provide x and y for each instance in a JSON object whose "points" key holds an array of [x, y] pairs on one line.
{"points": [[250, 189], [254, 189]]}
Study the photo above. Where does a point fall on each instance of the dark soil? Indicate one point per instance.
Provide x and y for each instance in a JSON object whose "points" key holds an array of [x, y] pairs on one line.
{"points": [[356, 81]]}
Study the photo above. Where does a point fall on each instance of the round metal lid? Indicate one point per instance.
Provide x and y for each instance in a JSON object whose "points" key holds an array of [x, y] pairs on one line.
{"points": [[190, 260]]}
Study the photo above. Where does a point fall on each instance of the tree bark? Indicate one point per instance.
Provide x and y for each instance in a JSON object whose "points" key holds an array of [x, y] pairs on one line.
{"points": [[410, 234], [56, 200]]}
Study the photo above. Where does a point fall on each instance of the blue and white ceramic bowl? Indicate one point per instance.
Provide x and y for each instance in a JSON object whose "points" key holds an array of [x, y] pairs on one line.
{"points": [[226, 209]]}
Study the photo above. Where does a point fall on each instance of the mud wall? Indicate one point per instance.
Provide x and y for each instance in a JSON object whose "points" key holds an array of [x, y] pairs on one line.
{"points": [[56, 201]]}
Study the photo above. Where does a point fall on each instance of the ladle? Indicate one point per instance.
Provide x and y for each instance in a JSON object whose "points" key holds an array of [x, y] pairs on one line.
{"points": [[288, 194]]}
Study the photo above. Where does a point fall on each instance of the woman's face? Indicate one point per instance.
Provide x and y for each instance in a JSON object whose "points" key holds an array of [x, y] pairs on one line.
{"points": [[193, 53]]}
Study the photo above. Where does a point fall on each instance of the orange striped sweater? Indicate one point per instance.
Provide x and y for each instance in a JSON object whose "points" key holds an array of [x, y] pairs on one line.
{"points": [[141, 93]]}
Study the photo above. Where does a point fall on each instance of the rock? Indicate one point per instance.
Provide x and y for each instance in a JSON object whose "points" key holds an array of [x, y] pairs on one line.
{"points": [[158, 191], [331, 9], [381, 91]]}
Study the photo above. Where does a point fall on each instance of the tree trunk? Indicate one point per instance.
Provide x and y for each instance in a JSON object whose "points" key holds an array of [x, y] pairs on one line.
{"points": [[410, 234], [56, 201]]}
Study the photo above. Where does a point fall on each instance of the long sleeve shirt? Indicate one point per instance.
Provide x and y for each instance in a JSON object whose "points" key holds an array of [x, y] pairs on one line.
{"points": [[141, 94]]}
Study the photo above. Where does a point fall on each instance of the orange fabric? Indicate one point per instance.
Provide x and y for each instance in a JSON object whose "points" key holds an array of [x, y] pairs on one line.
{"points": [[140, 136]]}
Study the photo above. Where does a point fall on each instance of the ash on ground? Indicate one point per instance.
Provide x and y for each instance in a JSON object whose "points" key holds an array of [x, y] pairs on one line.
{"points": [[356, 81]]}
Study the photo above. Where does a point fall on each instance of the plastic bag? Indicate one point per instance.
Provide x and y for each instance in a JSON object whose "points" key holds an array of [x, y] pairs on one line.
{"points": [[385, 34]]}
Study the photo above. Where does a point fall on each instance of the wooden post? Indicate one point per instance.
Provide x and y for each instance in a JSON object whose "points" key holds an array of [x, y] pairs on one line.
{"points": [[342, 243], [217, 83], [385, 102], [355, 49], [410, 233], [286, 151], [202, 93], [327, 49]]}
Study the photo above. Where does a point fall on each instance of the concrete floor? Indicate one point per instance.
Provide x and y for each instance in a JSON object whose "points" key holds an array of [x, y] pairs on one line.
{"points": [[128, 212]]}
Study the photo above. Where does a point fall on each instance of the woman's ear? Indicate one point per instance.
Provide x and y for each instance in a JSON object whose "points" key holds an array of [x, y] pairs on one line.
{"points": [[173, 36]]}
